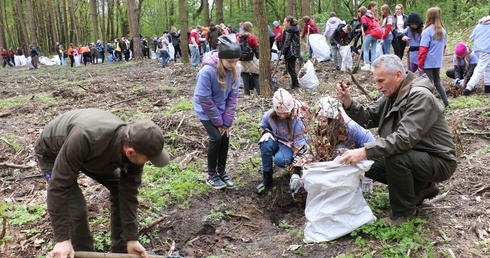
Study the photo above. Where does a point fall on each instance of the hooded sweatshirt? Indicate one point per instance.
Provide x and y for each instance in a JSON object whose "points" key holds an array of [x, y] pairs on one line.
{"points": [[331, 26], [211, 102]]}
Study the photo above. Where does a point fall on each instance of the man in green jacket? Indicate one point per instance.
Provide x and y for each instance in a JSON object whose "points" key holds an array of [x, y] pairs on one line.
{"points": [[111, 152], [415, 148]]}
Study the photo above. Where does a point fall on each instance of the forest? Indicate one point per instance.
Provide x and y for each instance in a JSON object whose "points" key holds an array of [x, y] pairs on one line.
{"points": [[43, 23]]}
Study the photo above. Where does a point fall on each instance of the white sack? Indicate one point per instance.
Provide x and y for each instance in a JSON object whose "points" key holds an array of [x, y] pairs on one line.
{"points": [[308, 80], [171, 51], [20, 60], [321, 50], [46, 61], [335, 205], [346, 55]]}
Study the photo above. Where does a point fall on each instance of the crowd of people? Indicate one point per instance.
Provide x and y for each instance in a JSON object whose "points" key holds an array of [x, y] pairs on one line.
{"points": [[414, 149]]}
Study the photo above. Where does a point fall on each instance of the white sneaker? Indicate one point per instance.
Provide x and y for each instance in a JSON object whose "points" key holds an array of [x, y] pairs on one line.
{"points": [[366, 67]]}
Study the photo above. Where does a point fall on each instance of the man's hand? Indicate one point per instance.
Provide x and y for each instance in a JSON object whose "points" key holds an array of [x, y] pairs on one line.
{"points": [[343, 91], [224, 131], [63, 249], [352, 157], [266, 137], [134, 247]]}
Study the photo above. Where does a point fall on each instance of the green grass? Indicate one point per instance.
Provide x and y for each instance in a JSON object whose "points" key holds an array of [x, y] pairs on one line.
{"points": [[20, 214], [182, 105], [171, 185], [45, 98], [471, 101]]}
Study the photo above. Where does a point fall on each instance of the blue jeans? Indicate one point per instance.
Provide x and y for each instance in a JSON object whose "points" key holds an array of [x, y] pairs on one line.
{"points": [[165, 56], [194, 55], [272, 153], [369, 43], [387, 44]]}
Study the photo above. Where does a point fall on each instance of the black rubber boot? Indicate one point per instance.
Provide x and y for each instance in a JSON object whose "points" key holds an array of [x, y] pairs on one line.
{"points": [[487, 88], [265, 184]]}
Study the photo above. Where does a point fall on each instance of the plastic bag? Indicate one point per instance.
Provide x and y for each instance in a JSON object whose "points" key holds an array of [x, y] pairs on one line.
{"points": [[346, 55], [307, 77], [20, 60], [171, 51], [274, 54], [379, 50], [335, 205], [321, 50]]}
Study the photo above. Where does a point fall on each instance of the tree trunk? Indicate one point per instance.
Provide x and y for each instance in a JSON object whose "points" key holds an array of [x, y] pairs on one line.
{"points": [[93, 9], [265, 51], [74, 21], [110, 20], [183, 31], [2, 31], [102, 26], [135, 27], [291, 5], [52, 21], [219, 12], [305, 8], [68, 37], [207, 20], [23, 26], [30, 17], [171, 12]]}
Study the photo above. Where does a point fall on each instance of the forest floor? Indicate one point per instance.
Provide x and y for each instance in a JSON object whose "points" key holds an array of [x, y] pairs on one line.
{"points": [[456, 223]]}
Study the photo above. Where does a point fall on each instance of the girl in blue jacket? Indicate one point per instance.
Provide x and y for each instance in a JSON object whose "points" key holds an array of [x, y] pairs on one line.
{"points": [[215, 100]]}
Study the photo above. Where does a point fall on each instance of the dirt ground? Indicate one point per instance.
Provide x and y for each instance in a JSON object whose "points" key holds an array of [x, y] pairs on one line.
{"points": [[456, 219]]}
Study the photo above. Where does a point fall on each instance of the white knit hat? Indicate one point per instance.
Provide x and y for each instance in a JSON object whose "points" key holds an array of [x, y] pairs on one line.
{"points": [[329, 107], [282, 101], [276, 23]]}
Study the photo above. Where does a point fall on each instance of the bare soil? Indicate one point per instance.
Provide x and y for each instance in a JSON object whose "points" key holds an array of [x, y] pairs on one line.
{"points": [[456, 219]]}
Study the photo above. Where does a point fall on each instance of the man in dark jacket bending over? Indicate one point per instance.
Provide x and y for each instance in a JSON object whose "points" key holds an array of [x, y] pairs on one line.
{"points": [[111, 152], [415, 148]]}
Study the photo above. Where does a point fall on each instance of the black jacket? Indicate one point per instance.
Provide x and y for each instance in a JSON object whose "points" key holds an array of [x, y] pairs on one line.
{"points": [[291, 46], [339, 37]]}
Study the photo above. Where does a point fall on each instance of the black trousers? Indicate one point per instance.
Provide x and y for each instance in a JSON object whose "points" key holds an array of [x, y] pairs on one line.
{"points": [[406, 174], [291, 68], [250, 82], [399, 46], [217, 149]]}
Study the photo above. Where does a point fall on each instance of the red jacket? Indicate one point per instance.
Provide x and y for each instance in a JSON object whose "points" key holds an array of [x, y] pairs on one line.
{"points": [[313, 28], [279, 34], [194, 35]]}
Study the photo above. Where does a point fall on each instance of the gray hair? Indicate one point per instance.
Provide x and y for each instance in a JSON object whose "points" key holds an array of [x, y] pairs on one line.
{"points": [[391, 63]]}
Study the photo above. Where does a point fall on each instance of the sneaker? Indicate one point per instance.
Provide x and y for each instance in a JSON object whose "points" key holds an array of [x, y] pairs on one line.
{"points": [[427, 193], [396, 220], [366, 67], [227, 180], [214, 181], [466, 92]]}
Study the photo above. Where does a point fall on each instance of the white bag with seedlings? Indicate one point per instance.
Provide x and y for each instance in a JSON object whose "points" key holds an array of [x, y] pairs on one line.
{"points": [[307, 77], [346, 55], [335, 205], [321, 50]]}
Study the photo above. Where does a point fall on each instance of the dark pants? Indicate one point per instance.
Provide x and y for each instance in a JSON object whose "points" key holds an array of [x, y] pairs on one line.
{"points": [[291, 67], [435, 78], [406, 174], [398, 46], [250, 82], [217, 149], [177, 52], [102, 56], [72, 60]]}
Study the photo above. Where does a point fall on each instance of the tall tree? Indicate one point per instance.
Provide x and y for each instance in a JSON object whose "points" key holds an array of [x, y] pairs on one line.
{"points": [[102, 26], [93, 9], [30, 17], [219, 12], [52, 22], [305, 8], [22, 24], [291, 6], [74, 21], [64, 22], [265, 50], [2, 31], [183, 28], [207, 19], [135, 28]]}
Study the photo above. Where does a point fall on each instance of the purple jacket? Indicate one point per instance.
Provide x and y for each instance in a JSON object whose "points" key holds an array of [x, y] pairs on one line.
{"points": [[210, 101]]}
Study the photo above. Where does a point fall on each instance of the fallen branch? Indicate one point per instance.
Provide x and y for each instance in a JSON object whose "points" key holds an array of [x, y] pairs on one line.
{"points": [[5, 114], [154, 223], [36, 79], [188, 158], [359, 85], [181, 121], [126, 100], [253, 226], [476, 133], [5, 164], [240, 216], [25, 177], [83, 88]]}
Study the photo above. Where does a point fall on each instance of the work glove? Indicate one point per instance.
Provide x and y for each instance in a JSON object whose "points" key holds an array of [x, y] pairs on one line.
{"points": [[295, 184], [457, 81], [265, 137]]}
